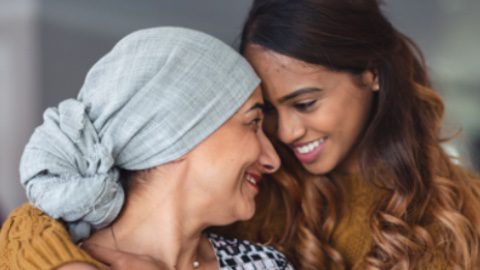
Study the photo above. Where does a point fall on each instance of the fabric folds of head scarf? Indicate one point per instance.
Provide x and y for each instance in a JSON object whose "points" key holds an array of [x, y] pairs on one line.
{"points": [[156, 95]]}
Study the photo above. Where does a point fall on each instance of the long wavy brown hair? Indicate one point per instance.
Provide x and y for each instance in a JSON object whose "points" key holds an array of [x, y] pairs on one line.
{"points": [[427, 202]]}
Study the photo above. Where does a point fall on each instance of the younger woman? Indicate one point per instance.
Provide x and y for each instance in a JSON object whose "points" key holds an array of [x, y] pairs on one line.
{"points": [[365, 183]]}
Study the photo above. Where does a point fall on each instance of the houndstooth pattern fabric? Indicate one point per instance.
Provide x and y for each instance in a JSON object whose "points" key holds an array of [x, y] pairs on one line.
{"points": [[234, 254]]}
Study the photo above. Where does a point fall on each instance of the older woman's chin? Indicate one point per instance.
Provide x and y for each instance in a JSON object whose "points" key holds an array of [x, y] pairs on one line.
{"points": [[247, 212], [244, 213]]}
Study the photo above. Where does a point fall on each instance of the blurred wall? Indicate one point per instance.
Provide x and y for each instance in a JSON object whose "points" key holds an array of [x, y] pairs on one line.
{"points": [[47, 46], [74, 34], [448, 32], [19, 92]]}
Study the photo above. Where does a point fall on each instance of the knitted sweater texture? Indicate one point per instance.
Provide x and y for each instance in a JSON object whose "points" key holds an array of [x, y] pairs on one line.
{"points": [[29, 239], [352, 236]]}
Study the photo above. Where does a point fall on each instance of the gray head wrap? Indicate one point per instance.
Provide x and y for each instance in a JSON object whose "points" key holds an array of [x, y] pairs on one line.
{"points": [[150, 100]]}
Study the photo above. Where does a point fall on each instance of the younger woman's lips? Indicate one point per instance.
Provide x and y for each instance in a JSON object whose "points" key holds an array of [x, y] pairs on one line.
{"points": [[310, 156]]}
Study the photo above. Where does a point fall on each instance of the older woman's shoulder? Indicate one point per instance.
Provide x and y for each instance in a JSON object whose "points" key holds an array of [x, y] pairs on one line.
{"points": [[242, 254]]}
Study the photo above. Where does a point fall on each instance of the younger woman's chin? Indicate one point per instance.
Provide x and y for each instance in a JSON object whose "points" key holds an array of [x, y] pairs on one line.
{"points": [[318, 168]]}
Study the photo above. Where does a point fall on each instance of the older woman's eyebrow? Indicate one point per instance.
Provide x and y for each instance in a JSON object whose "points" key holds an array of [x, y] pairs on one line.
{"points": [[299, 92], [257, 106]]}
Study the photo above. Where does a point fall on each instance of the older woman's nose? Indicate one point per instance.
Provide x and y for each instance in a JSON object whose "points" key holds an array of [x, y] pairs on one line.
{"points": [[269, 160]]}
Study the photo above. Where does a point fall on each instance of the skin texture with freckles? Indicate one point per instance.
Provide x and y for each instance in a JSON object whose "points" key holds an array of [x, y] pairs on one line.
{"points": [[312, 103]]}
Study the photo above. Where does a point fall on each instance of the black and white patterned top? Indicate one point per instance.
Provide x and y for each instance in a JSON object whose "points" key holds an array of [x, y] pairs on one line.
{"points": [[234, 254]]}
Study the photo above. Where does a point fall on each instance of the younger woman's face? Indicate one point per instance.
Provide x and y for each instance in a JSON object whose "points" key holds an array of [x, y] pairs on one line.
{"points": [[229, 164], [319, 113]]}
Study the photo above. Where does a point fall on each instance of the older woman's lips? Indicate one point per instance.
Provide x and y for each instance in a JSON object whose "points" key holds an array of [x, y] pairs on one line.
{"points": [[253, 180]]}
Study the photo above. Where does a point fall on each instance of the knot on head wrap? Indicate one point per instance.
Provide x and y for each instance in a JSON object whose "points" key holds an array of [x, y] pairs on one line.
{"points": [[75, 124], [65, 157], [150, 100]]}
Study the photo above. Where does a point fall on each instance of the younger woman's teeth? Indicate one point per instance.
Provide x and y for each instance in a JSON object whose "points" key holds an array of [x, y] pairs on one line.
{"points": [[251, 179], [305, 149]]}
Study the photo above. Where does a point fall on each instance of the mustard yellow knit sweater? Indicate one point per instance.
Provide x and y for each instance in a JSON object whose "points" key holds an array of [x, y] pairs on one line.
{"points": [[352, 236], [31, 240]]}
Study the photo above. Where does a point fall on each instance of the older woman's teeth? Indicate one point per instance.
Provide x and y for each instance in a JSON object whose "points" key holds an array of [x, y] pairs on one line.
{"points": [[305, 149], [251, 179]]}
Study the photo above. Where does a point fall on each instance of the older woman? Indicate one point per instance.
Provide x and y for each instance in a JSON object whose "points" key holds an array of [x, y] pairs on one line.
{"points": [[174, 116]]}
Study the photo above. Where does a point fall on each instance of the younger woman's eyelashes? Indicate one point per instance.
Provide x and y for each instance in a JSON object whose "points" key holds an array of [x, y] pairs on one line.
{"points": [[305, 106]]}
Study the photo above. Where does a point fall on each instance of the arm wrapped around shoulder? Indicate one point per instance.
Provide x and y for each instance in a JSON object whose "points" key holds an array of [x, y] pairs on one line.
{"points": [[29, 239]]}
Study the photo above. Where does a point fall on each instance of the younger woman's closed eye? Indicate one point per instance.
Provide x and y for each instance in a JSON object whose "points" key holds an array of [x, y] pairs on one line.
{"points": [[305, 106]]}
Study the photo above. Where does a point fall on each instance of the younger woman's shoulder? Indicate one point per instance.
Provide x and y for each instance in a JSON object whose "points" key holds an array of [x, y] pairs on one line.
{"points": [[30, 239], [242, 254]]}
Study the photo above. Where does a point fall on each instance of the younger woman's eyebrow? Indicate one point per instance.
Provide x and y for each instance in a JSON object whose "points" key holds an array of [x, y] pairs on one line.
{"points": [[299, 92]]}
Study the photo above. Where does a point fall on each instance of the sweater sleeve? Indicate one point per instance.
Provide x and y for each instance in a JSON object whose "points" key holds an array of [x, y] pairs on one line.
{"points": [[29, 239]]}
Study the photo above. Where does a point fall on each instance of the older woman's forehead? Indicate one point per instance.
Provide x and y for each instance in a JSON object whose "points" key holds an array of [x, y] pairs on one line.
{"points": [[255, 97]]}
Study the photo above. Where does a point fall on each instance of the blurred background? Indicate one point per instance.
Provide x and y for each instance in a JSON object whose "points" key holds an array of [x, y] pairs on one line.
{"points": [[47, 46]]}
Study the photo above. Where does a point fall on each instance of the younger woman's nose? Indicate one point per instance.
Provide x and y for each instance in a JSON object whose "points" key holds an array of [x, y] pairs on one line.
{"points": [[290, 129]]}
